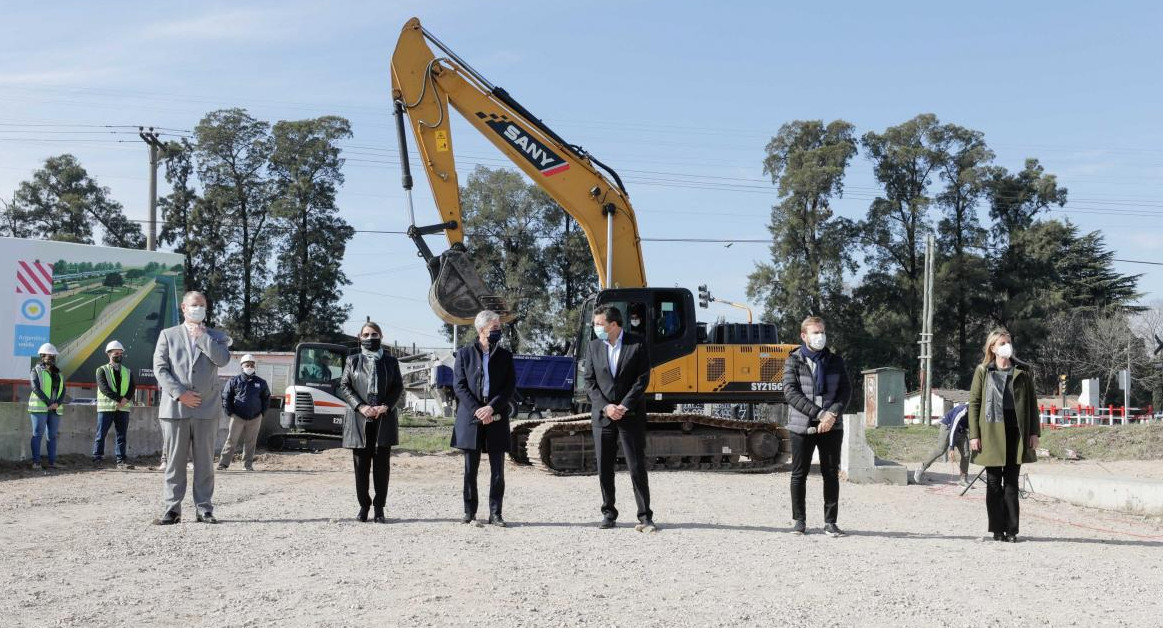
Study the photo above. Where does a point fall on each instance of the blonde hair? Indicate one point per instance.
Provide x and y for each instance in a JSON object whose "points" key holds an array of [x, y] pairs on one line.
{"points": [[987, 352], [811, 320]]}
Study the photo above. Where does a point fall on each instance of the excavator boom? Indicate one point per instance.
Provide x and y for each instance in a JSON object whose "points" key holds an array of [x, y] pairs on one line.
{"points": [[424, 86]]}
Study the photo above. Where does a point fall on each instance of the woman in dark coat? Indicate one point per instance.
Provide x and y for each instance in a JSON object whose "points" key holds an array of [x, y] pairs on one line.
{"points": [[484, 380], [1004, 425], [371, 385]]}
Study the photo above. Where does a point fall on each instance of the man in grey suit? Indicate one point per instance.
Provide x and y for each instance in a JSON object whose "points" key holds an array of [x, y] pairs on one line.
{"points": [[185, 363]]}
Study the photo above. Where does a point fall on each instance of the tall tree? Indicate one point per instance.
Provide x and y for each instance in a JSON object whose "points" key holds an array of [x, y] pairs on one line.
{"points": [[233, 150], [62, 202], [1085, 270], [1024, 249], [505, 220], [810, 247], [905, 159], [573, 277], [177, 210], [306, 171], [1015, 200], [9, 225], [962, 280]]}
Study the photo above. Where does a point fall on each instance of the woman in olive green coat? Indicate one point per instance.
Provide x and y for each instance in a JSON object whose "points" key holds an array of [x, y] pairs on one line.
{"points": [[1004, 425]]}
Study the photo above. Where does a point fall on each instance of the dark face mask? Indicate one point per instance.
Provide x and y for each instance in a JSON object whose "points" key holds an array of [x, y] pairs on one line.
{"points": [[370, 344], [494, 337], [117, 359]]}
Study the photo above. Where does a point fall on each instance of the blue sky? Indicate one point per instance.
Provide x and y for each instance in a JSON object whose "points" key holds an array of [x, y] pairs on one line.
{"points": [[678, 97]]}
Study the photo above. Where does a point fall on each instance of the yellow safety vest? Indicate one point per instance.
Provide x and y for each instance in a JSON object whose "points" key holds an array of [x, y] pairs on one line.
{"points": [[109, 404], [34, 402]]}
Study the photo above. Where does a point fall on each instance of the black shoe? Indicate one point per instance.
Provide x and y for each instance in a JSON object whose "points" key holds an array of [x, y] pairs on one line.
{"points": [[799, 528], [833, 530], [646, 527], [124, 466], [1010, 537], [206, 517], [168, 519], [220, 467], [607, 523], [97, 462], [496, 520], [379, 518], [362, 516], [467, 518], [998, 536]]}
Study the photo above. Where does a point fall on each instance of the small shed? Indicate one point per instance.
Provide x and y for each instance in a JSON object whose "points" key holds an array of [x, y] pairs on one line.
{"points": [[884, 397]]}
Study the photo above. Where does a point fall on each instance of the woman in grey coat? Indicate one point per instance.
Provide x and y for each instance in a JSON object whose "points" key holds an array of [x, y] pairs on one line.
{"points": [[371, 384]]}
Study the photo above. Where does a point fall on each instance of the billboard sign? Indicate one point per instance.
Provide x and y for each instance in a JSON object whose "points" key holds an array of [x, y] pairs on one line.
{"points": [[80, 297]]}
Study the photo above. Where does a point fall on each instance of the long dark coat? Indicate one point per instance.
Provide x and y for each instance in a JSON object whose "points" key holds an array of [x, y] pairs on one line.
{"points": [[468, 382], [353, 385]]}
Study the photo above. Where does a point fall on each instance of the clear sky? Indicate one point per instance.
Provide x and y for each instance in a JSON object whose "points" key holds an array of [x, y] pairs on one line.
{"points": [[679, 97]]}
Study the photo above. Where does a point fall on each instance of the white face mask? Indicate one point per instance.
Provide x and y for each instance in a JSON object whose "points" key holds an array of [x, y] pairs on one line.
{"points": [[635, 322], [249, 370], [1004, 351], [195, 313], [601, 333], [817, 341]]}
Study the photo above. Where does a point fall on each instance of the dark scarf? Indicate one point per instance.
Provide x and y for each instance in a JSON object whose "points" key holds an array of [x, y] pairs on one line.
{"points": [[820, 358]]}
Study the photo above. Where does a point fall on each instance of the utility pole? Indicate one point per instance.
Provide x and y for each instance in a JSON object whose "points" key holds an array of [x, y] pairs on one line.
{"points": [[155, 148], [1127, 390], [926, 341]]}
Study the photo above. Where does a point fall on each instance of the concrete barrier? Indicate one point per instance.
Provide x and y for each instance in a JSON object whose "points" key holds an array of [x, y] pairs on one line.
{"points": [[1142, 497], [79, 428], [857, 462]]}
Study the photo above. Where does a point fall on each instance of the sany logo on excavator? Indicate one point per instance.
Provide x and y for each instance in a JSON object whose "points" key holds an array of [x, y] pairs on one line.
{"points": [[539, 155]]}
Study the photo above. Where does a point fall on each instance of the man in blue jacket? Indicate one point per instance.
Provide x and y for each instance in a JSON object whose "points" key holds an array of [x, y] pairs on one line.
{"points": [[245, 398]]}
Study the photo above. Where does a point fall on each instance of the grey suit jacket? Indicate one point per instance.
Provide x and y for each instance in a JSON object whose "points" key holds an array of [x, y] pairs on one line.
{"points": [[178, 369]]}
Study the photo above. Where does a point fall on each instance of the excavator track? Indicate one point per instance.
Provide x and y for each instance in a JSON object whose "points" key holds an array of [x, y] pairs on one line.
{"points": [[564, 445], [303, 441]]}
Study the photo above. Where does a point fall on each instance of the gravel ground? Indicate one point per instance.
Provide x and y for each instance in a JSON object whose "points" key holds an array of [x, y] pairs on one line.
{"points": [[81, 553]]}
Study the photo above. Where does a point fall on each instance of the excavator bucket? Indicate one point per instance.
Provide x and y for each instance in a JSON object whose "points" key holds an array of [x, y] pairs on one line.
{"points": [[458, 293]]}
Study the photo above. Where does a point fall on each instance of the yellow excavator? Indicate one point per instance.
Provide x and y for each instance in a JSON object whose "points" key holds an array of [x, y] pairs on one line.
{"points": [[692, 366]]}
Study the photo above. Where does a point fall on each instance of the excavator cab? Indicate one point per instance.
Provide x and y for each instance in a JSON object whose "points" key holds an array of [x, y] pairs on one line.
{"points": [[665, 321]]}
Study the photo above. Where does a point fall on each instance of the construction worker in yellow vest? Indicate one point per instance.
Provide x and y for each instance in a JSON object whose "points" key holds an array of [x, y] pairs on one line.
{"points": [[115, 388], [45, 403]]}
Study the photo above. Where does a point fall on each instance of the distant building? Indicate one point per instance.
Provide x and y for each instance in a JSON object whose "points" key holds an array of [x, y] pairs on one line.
{"points": [[943, 401]]}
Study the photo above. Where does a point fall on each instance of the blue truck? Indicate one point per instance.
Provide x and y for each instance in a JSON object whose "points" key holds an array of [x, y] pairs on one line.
{"points": [[544, 384]]}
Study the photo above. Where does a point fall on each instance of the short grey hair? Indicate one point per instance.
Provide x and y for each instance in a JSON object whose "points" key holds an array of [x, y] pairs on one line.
{"points": [[193, 293], [484, 319]]}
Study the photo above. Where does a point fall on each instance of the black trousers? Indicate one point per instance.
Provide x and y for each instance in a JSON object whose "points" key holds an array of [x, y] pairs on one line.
{"points": [[472, 463], [802, 445], [1001, 483], [374, 461], [632, 434]]}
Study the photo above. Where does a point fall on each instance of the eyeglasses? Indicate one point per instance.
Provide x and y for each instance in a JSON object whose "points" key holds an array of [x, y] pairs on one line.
{"points": [[369, 335]]}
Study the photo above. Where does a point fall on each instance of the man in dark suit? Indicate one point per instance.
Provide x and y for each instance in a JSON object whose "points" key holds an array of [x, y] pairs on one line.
{"points": [[616, 375], [484, 380]]}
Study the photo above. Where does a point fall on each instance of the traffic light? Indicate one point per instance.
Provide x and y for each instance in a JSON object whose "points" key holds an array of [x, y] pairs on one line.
{"points": [[1061, 384], [704, 296]]}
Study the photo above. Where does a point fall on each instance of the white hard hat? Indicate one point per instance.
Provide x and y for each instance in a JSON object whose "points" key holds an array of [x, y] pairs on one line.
{"points": [[246, 358], [113, 345], [47, 349]]}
